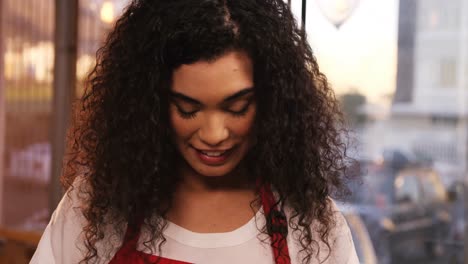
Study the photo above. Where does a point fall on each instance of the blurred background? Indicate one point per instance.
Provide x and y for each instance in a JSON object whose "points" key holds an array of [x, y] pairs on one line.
{"points": [[399, 69]]}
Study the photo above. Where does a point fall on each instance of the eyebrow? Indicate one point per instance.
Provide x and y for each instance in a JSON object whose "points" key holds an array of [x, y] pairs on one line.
{"points": [[227, 99]]}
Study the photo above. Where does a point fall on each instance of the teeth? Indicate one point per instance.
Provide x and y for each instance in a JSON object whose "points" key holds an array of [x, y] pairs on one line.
{"points": [[213, 154]]}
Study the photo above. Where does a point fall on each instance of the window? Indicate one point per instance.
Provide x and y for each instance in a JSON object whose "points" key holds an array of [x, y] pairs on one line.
{"points": [[433, 188], [448, 73], [447, 121], [407, 189], [439, 15]]}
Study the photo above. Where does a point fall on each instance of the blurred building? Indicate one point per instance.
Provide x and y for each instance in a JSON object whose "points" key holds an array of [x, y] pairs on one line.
{"points": [[428, 116]]}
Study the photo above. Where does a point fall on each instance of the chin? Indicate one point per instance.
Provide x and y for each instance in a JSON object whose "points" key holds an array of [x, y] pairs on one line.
{"points": [[214, 171]]}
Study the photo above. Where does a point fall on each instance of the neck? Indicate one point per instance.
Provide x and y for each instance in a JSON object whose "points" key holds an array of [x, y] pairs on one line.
{"points": [[236, 180], [213, 204]]}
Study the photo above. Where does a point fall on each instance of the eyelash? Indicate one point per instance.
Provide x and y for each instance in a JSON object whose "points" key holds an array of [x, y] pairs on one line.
{"points": [[186, 115], [191, 115], [242, 112]]}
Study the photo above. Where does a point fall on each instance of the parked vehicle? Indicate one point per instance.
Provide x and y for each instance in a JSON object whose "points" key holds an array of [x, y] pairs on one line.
{"points": [[406, 209], [362, 241], [456, 236]]}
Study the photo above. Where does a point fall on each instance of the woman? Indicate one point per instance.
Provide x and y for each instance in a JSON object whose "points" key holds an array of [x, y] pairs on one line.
{"points": [[207, 134]]}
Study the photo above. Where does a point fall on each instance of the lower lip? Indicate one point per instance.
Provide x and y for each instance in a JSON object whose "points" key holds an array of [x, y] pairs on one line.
{"points": [[209, 160]]}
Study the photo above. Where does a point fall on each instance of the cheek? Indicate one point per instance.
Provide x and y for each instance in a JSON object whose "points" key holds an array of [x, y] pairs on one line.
{"points": [[243, 127], [182, 128]]}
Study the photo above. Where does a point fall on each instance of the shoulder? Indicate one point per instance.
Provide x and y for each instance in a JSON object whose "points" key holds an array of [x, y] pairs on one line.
{"points": [[341, 244], [61, 241]]}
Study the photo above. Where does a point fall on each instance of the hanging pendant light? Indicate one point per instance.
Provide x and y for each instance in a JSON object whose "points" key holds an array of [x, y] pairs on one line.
{"points": [[337, 11]]}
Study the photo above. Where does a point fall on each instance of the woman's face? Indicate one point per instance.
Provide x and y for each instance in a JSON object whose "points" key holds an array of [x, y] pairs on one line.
{"points": [[212, 111]]}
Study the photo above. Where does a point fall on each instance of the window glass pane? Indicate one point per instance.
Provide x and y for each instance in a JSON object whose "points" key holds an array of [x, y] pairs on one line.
{"points": [[400, 70], [407, 189], [27, 35], [437, 15], [96, 18], [26, 92], [448, 73], [27, 58], [433, 188]]}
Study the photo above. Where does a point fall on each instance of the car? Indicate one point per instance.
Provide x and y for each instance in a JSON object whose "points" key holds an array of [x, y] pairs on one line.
{"points": [[406, 209], [362, 241], [457, 191]]}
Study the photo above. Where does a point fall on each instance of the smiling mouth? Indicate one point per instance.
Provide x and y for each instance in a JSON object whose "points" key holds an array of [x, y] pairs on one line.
{"points": [[213, 157], [213, 153]]}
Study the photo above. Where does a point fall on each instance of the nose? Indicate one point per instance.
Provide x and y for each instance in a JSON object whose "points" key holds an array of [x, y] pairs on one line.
{"points": [[213, 131]]}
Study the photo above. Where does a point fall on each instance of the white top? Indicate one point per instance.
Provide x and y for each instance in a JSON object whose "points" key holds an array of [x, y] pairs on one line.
{"points": [[62, 243]]}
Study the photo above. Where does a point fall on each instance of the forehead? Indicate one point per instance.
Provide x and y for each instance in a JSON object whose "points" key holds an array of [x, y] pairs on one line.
{"points": [[211, 81]]}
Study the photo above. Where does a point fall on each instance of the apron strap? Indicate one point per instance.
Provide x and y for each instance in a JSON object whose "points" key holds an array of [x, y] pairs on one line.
{"points": [[279, 225]]}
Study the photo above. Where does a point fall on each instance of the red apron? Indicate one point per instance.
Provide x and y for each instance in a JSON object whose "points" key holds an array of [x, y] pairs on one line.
{"points": [[128, 253]]}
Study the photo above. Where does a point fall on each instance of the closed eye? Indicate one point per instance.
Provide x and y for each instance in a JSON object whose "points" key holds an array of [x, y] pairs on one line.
{"points": [[185, 110], [240, 107]]}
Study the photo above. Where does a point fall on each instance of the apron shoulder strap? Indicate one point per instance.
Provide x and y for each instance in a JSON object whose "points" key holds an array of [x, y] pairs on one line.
{"points": [[127, 252], [278, 227]]}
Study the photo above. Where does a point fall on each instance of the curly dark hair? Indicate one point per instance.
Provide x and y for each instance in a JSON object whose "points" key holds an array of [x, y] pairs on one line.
{"points": [[120, 142]]}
